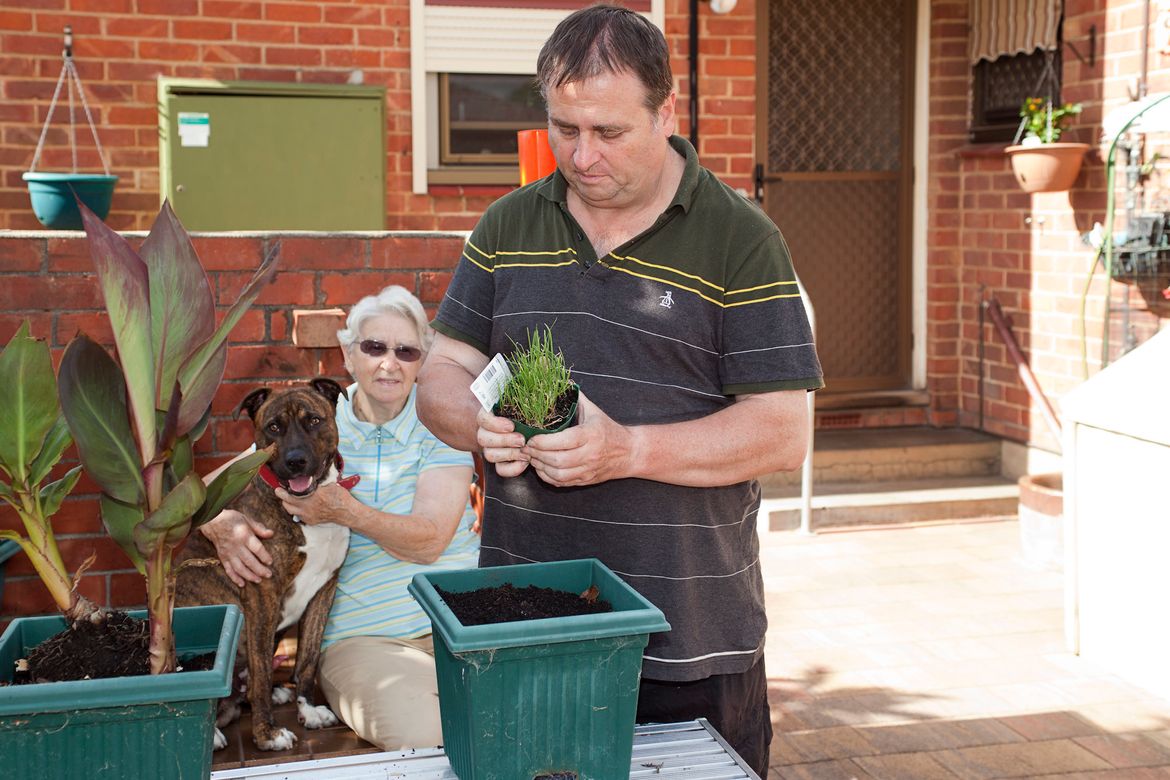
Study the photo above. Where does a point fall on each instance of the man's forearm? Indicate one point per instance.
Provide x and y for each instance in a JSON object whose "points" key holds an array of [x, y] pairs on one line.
{"points": [[446, 405], [755, 436]]}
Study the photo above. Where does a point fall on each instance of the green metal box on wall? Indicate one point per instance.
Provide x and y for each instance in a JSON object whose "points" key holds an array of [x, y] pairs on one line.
{"points": [[270, 156]]}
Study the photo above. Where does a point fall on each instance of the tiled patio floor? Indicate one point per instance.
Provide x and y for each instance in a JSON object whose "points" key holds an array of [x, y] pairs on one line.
{"points": [[933, 651]]}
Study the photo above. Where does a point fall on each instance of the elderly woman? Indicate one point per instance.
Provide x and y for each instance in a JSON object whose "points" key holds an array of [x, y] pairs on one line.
{"points": [[409, 513]]}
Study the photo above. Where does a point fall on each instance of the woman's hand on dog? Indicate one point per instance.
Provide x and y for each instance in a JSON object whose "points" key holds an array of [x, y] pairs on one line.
{"points": [[237, 539], [327, 504]]}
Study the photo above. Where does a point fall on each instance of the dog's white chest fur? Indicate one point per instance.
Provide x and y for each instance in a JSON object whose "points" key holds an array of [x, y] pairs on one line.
{"points": [[325, 548]]}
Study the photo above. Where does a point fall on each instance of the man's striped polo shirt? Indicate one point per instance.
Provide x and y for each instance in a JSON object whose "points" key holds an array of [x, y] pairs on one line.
{"points": [[668, 327]]}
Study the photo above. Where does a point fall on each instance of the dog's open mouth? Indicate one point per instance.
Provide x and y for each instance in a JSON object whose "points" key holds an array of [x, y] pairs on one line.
{"points": [[301, 486]]}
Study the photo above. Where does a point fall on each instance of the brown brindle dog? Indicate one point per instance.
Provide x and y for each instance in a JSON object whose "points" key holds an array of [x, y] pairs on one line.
{"points": [[305, 559]]}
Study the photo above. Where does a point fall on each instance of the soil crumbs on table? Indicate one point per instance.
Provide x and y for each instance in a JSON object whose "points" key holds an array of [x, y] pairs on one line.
{"points": [[506, 603]]}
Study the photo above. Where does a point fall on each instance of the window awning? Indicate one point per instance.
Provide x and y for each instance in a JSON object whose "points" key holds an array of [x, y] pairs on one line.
{"points": [[1000, 27]]}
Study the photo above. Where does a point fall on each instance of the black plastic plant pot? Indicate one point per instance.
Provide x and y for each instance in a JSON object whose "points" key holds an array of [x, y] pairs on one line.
{"points": [[530, 431], [52, 197]]}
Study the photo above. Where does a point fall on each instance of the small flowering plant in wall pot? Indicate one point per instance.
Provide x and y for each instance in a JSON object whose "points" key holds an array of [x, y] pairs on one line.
{"points": [[541, 396], [1042, 162]]}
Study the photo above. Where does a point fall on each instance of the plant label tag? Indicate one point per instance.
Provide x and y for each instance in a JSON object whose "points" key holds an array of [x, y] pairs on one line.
{"points": [[488, 386]]}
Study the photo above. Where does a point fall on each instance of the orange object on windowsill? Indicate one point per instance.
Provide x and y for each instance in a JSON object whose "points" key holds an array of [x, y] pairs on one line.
{"points": [[536, 157]]}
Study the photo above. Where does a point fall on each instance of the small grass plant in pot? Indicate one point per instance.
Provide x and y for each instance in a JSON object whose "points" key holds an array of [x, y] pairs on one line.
{"points": [[134, 415], [1042, 162], [541, 396]]}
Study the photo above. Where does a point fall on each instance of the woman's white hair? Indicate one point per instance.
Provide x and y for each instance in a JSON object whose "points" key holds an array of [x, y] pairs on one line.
{"points": [[392, 300]]}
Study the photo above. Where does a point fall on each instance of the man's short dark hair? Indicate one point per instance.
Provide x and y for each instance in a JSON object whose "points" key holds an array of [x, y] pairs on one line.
{"points": [[606, 39]]}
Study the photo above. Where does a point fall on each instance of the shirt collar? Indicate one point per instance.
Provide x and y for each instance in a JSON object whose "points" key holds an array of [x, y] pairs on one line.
{"points": [[556, 189], [400, 428]]}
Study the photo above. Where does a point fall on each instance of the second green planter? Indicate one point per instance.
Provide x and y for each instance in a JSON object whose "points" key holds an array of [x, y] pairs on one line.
{"points": [[538, 698]]}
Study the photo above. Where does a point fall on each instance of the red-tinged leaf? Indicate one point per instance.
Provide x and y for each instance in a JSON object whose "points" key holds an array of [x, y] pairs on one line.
{"points": [[199, 390], [228, 484], [126, 289], [169, 422], [201, 374], [169, 525], [93, 398], [182, 306], [120, 520], [28, 402]]}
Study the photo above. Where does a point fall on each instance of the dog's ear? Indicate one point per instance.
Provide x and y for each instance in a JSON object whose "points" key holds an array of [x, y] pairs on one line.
{"points": [[327, 388], [252, 403]]}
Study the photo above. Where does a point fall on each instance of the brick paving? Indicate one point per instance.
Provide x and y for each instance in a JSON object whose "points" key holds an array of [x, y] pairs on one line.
{"points": [[933, 651]]}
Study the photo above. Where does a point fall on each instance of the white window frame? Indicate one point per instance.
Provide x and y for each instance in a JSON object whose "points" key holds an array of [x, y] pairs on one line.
{"points": [[470, 39]]}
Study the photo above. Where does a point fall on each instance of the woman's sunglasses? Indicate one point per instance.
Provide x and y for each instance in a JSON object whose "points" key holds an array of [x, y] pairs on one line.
{"points": [[402, 353]]}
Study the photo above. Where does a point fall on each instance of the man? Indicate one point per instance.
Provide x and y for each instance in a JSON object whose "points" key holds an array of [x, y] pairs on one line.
{"points": [[675, 304]]}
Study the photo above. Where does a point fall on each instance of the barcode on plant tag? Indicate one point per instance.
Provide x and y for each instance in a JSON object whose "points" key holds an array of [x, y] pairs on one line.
{"points": [[490, 382]]}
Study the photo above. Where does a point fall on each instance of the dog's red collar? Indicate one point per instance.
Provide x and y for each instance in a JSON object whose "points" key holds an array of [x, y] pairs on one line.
{"points": [[269, 476]]}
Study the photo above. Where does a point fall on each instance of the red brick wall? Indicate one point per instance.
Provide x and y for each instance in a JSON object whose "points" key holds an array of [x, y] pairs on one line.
{"points": [[122, 46], [987, 237], [727, 85], [317, 272]]}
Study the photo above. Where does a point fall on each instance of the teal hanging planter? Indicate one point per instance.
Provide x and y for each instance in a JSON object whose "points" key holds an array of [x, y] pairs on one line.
{"points": [[124, 728], [52, 196]]}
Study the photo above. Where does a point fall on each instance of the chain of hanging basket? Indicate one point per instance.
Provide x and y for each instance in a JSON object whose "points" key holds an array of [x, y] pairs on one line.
{"points": [[69, 71]]}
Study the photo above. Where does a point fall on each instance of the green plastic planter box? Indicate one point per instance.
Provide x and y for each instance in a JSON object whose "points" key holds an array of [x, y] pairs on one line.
{"points": [[125, 728], [540, 698], [8, 548]]}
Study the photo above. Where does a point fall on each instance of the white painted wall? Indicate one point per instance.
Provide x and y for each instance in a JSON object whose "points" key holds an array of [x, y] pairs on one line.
{"points": [[1117, 515]]}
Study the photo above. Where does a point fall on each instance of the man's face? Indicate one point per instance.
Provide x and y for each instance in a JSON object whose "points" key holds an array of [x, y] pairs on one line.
{"points": [[608, 145]]}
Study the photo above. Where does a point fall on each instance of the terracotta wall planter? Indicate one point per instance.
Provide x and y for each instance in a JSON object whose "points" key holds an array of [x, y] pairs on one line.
{"points": [[1047, 167]]}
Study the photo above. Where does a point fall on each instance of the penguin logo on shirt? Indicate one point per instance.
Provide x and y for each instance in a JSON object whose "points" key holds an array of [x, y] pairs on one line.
{"points": [[666, 300]]}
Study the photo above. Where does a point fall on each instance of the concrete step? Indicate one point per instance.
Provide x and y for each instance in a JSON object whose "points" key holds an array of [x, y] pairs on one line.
{"points": [[891, 454], [837, 505]]}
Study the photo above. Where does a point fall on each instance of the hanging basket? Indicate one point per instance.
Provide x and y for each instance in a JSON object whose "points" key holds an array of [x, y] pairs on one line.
{"points": [[54, 196], [1047, 167]]}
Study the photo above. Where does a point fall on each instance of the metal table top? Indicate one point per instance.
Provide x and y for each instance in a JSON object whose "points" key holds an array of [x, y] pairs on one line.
{"points": [[692, 750]]}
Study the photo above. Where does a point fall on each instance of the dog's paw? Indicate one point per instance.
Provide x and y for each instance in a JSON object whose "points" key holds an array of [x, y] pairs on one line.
{"points": [[278, 739], [314, 716], [219, 741], [282, 695]]}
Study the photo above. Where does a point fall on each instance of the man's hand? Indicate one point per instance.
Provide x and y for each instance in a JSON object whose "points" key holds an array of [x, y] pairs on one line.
{"points": [[237, 540], [500, 443], [595, 450]]}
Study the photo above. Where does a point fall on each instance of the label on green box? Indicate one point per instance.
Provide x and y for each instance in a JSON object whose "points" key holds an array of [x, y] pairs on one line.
{"points": [[194, 128]]}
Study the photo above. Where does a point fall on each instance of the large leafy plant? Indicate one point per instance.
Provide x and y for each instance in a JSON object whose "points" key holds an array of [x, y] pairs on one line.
{"points": [[136, 413], [33, 437]]}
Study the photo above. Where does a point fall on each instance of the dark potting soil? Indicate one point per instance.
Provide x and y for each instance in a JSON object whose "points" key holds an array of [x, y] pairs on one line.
{"points": [[116, 647], [119, 647], [560, 411], [506, 603]]}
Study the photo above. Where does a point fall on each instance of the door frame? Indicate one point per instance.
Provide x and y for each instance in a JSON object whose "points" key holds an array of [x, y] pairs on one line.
{"points": [[915, 207]]}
